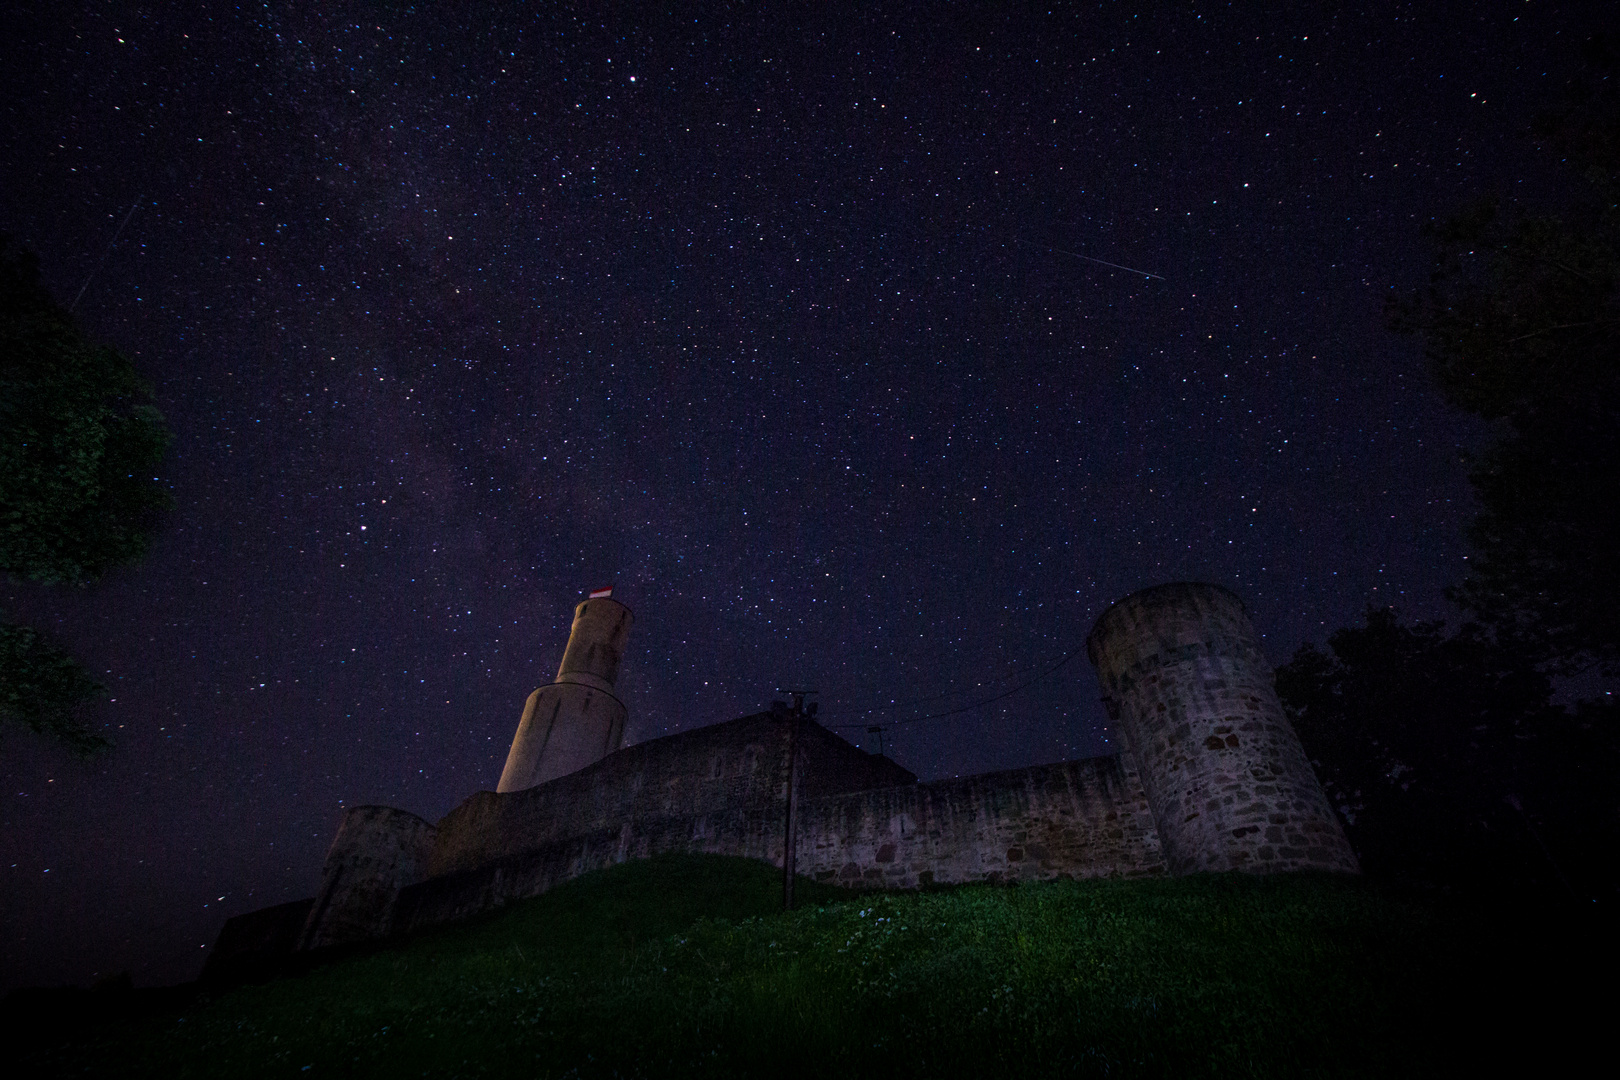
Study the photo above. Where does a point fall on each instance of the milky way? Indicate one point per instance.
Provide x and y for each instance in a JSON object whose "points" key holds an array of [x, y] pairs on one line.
{"points": [[771, 320]]}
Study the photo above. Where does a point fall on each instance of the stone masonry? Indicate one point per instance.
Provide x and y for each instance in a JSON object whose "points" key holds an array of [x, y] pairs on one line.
{"points": [[377, 849], [1226, 777], [1076, 818], [1211, 777]]}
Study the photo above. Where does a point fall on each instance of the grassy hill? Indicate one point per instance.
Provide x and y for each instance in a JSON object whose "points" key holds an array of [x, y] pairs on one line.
{"points": [[684, 966]]}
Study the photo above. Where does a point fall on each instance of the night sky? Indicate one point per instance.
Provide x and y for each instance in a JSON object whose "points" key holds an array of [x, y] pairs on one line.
{"points": [[796, 325]]}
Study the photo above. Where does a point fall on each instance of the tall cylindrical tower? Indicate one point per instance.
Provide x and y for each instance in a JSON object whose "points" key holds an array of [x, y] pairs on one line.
{"points": [[1193, 695], [576, 720]]}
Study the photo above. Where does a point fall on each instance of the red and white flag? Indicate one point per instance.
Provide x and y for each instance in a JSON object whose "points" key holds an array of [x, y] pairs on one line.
{"points": [[598, 594]]}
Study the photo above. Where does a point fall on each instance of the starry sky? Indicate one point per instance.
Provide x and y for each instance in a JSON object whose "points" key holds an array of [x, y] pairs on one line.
{"points": [[874, 349]]}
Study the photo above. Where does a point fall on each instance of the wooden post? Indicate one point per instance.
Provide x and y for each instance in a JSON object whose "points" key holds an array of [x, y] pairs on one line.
{"points": [[789, 830], [791, 824]]}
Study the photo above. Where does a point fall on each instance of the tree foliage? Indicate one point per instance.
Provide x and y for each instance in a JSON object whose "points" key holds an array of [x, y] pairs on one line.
{"points": [[79, 440], [1430, 707], [1521, 324], [1446, 759], [1444, 754], [41, 686]]}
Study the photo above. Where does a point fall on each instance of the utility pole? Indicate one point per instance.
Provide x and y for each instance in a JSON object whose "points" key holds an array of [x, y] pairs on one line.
{"points": [[791, 823], [877, 730]]}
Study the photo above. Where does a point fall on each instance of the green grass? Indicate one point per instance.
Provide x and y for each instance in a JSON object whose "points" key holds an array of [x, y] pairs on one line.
{"points": [[683, 966]]}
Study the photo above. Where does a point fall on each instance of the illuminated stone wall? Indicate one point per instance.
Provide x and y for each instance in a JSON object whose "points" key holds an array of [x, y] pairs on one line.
{"points": [[1212, 778], [1075, 818], [1194, 697]]}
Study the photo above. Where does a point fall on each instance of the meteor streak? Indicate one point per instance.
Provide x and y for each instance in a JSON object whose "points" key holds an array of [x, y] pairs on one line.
{"points": [[1088, 258]]}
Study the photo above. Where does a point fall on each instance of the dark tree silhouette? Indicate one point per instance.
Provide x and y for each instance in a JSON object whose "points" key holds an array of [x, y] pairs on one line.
{"points": [[1521, 324], [1447, 760], [40, 687], [1444, 754], [79, 441]]}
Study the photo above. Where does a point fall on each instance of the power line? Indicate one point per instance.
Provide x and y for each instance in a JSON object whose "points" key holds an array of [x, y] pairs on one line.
{"points": [[950, 693], [977, 704]]}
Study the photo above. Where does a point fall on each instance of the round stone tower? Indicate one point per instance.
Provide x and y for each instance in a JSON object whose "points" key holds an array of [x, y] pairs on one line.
{"points": [[576, 720], [1191, 692], [377, 851]]}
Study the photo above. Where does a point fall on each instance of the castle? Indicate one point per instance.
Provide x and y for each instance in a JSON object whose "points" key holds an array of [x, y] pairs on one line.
{"points": [[1210, 776]]}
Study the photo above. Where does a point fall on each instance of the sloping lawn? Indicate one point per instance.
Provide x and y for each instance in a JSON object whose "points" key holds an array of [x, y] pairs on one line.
{"points": [[684, 966]]}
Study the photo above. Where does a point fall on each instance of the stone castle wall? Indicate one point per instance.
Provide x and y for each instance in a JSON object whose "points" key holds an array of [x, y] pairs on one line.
{"points": [[863, 822], [1077, 818], [252, 945], [377, 849], [719, 790], [1212, 778], [725, 782]]}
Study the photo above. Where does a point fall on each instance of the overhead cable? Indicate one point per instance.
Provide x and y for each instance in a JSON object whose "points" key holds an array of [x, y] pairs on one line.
{"points": [[977, 704]]}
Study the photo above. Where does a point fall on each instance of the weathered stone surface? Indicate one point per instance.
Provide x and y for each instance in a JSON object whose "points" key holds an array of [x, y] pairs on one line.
{"points": [[249, 945], [1225, 775], [565, 726], [862, 821], [1213, 778], [709, 780], [576, 720], [376, 852], [1078, 818], [596, 643], [449, 897]]}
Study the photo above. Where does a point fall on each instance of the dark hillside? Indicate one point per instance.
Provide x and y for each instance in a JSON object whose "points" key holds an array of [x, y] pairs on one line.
{"points": [[684, 966]]}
